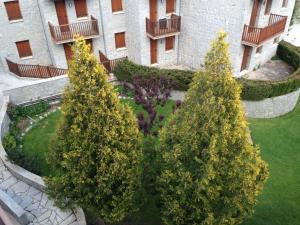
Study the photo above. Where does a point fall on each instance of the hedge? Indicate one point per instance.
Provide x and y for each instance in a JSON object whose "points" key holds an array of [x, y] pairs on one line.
{"points": [[259, 90], [251, 89], [127, 69]]}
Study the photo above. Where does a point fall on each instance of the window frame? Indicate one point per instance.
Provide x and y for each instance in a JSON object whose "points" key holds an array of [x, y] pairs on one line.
{"points": [[28, 46], [123, 33], [285, 3], [169, 43], [85, 9], [259, 49], [173, 9], [268, 7], [117, 9], [8, 12]]}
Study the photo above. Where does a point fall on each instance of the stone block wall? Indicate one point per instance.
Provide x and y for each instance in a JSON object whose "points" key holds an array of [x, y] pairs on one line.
{"points": [[29, 28]]}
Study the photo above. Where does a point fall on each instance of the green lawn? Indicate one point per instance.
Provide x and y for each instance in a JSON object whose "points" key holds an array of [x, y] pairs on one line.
{"points": [[279, 140], [37, 140], [280, 145]]}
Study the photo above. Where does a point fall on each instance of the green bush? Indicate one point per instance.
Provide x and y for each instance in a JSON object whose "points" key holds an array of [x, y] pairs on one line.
{"points": [[18, 112], [251, 89], [289, 53], [259, 90], [9, 142], [127, 69]]}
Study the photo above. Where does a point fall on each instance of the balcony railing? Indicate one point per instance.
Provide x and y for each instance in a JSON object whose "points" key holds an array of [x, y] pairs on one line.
{"points": [[110, 64], [163, 27], [65, 33], [256, 36], [34, 71]]}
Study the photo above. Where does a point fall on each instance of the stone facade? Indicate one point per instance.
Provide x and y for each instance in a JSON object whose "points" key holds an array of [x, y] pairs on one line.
{"points": [[200, 21]]}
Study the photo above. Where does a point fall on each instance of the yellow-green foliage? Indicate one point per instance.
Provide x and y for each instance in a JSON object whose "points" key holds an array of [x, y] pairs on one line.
{"points": [[96, 152], [211, 172]]}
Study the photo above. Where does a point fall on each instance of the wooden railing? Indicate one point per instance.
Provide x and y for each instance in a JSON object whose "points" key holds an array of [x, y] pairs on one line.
{"points": [[256, 36], [110, 64], [34, 71], [164, 26], [63, 33]]}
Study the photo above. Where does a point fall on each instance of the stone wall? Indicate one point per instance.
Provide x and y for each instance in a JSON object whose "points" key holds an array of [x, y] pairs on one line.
{"points": [[271, 107], [38, 90], [29, 28]]}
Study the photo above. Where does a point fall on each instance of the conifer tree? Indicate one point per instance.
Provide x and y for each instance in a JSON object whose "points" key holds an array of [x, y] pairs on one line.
{"points": [[96, 152], [211, 174]]}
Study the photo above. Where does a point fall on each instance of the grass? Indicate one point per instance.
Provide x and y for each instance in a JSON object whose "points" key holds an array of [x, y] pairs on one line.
{"points": [[279, 140], [38, 139]]}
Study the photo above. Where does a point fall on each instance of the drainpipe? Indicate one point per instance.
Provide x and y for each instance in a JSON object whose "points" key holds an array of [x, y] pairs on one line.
{"points": [[102, 27], [179, 11], [45, 34]]}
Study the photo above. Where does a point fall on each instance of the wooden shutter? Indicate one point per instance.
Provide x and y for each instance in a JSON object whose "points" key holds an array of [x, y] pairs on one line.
{"points": [[24, 49], [170, 43], [170, 6], [81, 8], [120, 40], [13, 10], [116, 5], [268, 6]]}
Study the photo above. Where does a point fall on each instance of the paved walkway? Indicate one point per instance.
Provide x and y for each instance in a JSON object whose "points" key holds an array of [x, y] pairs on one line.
{"points": [[39, 207], [272, 70]]}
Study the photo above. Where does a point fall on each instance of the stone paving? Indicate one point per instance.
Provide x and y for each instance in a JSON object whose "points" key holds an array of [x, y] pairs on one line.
{"points": [[271, 70], [40, 210]]}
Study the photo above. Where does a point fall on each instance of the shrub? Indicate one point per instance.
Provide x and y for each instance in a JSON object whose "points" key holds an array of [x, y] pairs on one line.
{"points": [[289, 53], [18, 112], [211, 173], [126, 70], [9, 142], [251, 90]]}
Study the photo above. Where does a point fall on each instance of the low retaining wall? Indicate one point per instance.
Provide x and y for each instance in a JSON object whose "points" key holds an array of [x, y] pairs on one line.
{"points": [[38, 90], [271, 107], [19, 172]]}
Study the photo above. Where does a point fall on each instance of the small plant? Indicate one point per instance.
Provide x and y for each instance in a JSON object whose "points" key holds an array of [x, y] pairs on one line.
{"points": [[16, 113], [151, 92]]}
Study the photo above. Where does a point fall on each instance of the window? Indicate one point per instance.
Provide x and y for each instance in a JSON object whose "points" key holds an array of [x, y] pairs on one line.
{"points": [[120, 40], [268, 6], [170, 43], [259, 50], [116, 5], [276, 40], [170, 8], [13, 10], [81, 8], [285, 3], [24, 49]]}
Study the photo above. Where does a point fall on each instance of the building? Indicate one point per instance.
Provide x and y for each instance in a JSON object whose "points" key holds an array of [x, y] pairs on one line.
{"points": [[150, 32]]}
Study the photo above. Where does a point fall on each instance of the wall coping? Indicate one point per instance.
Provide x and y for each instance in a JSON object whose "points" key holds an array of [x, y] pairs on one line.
{"points": [[22, 174]]}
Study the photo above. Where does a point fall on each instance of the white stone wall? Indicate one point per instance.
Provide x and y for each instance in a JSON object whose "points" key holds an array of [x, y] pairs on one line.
{"points": [[29, 28], [202, 20], [271, 107]]}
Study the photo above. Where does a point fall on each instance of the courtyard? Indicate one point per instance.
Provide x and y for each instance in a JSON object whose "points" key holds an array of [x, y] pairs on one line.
{"points": [[279, 142]]}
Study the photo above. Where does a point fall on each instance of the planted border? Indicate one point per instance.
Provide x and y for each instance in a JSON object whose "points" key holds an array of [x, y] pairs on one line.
{"points": [[252, 90]]}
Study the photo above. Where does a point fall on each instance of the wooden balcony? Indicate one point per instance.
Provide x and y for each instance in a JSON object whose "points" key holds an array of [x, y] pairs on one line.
{"points": [[35, 71], [110, 64], [66, 33], [253, 36], [164, 27]]}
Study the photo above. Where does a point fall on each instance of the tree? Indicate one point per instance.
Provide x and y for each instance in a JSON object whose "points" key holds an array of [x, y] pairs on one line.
{"points": [[211, 173], [96, 152]]}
